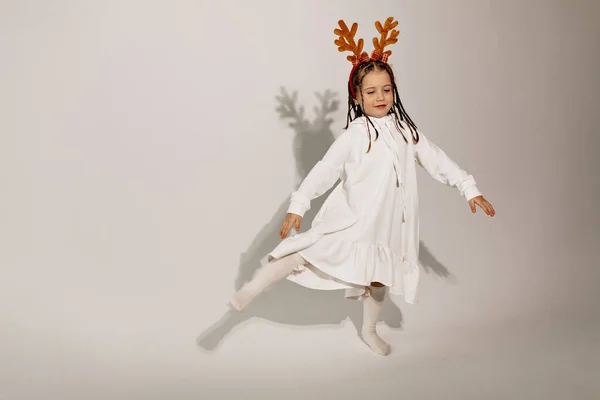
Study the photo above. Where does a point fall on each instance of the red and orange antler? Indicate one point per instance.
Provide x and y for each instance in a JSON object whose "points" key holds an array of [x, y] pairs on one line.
{"points": [[346, 42], [384, 40]]}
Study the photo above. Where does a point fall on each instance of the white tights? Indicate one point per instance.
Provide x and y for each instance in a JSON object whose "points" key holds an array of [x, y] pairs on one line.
{"points": [[277, 270], [264, 277], [372, 303]]}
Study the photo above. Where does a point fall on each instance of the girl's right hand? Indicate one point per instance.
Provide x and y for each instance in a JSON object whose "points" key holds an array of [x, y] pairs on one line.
{"points": [[290, 221]]}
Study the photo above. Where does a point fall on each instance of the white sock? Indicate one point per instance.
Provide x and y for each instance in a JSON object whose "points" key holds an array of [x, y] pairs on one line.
{"points": [[264, 277], [372, 303]]}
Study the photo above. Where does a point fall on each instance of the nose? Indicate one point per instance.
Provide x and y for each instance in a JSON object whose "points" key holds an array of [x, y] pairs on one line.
{"points": [[380, 95]]}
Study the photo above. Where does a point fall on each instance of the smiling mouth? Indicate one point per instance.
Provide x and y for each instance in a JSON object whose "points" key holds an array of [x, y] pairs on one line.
{"points": [[381, 106]]}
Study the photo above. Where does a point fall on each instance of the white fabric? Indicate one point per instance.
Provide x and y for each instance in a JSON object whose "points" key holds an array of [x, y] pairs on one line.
{"points": [[372, 303], [265, 277], [367, 230]]}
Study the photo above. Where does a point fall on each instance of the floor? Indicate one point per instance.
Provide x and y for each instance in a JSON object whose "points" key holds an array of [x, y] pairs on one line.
{"points": [[547, 357]]}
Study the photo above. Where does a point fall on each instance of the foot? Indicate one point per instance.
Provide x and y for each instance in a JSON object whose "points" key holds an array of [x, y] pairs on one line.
{"points": [[376, 344]]}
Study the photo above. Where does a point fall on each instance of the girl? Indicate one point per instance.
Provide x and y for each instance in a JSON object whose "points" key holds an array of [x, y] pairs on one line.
{"points": [[365, 236]]}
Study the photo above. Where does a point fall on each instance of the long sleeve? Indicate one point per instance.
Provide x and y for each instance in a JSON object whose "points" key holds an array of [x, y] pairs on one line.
{"points": [[443, 169], [322, 176]]}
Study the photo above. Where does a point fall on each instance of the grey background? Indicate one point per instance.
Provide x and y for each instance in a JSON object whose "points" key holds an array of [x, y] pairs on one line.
{"points": [[147, 154]]}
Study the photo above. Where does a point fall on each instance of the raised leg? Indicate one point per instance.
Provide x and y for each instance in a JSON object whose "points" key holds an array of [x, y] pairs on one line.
{"points": [[264, 277]]}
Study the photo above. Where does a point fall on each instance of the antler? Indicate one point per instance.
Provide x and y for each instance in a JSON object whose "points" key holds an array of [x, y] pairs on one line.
{"points": [[380, 44], [346, 42]]}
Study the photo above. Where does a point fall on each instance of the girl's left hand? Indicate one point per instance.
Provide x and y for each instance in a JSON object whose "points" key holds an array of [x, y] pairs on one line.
{"points": [[484, 204]]}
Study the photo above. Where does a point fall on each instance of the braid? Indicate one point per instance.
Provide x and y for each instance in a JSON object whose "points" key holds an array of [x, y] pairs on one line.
{"points": [[397, 110]]}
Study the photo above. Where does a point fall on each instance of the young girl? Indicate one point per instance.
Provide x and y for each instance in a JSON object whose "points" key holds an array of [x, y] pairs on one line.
{"points": [[365, 237]]}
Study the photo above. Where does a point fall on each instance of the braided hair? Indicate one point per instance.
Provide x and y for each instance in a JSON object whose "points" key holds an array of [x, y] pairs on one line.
{"points": [[356, 110]]}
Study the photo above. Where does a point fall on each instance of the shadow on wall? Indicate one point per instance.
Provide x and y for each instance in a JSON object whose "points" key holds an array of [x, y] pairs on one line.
{"points": [[287, 302]]}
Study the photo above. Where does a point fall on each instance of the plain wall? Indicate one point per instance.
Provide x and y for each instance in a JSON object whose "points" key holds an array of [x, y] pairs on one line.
{"points": [[147, 158]]}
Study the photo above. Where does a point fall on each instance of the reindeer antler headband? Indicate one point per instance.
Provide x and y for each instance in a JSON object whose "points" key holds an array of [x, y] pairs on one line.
{"points": [[346, 42]]}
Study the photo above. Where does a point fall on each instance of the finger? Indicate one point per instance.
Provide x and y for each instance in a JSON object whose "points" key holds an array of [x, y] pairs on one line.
{"points": [[283, 228], [283, 225], [472, 204], [488, 208], [288, 226], [485, 208], [482, 203]]}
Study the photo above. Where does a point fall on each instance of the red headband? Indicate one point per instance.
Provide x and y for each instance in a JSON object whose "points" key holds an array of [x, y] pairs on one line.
{"points": [[364, 57]]}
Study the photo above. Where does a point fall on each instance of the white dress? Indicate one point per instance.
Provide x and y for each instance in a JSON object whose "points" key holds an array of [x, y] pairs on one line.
{"points": [[359, 236]]}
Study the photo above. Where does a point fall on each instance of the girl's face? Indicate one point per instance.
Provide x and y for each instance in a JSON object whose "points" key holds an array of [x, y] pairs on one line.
{"points": [[376, 96]]}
